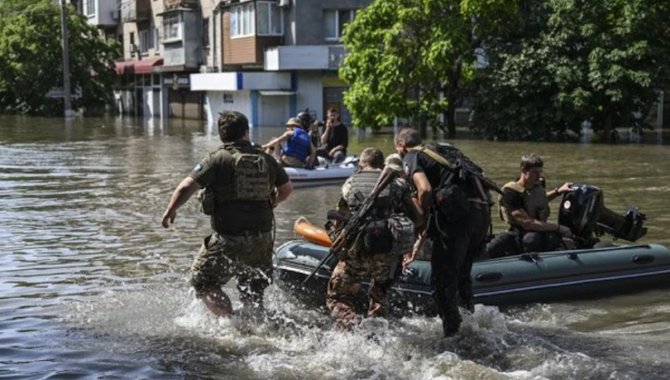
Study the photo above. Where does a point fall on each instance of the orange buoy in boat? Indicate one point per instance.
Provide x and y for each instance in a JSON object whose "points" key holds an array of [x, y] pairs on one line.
{"points": [[311, 233]]}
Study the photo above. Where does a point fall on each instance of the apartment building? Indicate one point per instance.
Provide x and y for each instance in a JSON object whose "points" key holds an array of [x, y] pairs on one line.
{"points": [[269, 59]]}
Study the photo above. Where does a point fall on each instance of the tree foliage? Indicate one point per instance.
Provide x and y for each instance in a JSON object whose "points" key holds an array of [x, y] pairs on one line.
{"points": [[411, 58], [31, 52], [600, 61]]}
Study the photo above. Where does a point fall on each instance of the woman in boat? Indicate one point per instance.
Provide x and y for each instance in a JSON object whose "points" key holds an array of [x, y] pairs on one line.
{"points": [[524, 205], [298, 152]]}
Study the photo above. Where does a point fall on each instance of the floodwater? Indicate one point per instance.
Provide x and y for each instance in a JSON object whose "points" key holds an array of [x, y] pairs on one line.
{"points": [[92, 286]]}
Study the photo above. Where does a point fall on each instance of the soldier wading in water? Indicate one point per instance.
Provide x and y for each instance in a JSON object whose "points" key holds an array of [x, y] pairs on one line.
{"points": [[454, 196], [242, 185], [376, 248]]}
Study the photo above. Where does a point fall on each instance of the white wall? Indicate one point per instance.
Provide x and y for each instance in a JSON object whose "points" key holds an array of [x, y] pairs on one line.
{"points": [[214, 104], [310, 93], [273, 111]]}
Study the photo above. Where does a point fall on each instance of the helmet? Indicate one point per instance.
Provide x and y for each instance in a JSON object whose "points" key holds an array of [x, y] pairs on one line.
{"points": [[394, 161], [305, 118]]}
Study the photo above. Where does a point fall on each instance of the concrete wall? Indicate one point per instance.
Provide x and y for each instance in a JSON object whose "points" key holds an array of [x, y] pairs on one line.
{"points": [[214, 104], [305, 22], [310, 93], [186, 52]]}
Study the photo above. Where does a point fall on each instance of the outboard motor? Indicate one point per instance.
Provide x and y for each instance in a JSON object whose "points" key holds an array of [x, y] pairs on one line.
{"points": [[627, 226], [584, 212]]}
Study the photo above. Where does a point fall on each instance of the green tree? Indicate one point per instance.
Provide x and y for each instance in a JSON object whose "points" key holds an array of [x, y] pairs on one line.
{"points": [[30, 49], [411, 58], [601, 61]]}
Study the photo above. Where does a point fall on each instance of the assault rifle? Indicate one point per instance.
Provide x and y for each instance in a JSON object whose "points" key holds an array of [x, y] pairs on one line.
{"points": [[357, 221]]}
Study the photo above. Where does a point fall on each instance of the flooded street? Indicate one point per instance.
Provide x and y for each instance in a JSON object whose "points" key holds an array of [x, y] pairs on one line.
{"points": [[93, 287]]}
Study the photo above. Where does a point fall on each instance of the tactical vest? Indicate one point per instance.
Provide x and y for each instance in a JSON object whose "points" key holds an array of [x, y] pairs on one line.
{"points": [[388, 230], [251, 177], [535, 202], [250, 181], [361, 185]]}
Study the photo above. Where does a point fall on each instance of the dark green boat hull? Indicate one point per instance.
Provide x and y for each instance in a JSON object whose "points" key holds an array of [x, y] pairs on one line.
{"points": [[529, 278]]}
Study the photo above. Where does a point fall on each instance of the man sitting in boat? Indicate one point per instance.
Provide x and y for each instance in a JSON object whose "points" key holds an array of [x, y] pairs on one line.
{"points": [[524, 205], [377, 249], [335, 139], [298, 152]]}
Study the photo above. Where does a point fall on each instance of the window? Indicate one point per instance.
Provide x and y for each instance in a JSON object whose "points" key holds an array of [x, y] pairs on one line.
{"points": [[227, 97], [269, 19], [146, 39], [157, 38], [90, 7], [205, 32], [334, 21], [172, 27], [242, 20]]}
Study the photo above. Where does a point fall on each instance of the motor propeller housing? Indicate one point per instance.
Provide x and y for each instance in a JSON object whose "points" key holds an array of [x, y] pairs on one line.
{"points": [[583, 210]]}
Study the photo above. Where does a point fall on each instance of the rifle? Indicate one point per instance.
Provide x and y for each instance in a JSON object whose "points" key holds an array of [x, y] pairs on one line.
{"points": [[357, 221]]}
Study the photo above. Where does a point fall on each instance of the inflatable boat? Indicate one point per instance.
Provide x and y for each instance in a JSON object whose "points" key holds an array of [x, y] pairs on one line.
{"points": [[567, 274], [323, 174], [527, 278]]}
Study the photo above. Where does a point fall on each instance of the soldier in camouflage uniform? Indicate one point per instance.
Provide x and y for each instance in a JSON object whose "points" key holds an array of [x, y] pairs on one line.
{"points": [[242, 185], [358, 262]]}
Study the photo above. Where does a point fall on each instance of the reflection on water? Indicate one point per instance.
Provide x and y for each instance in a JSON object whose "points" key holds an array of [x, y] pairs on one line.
{"points": [[93, 286]]}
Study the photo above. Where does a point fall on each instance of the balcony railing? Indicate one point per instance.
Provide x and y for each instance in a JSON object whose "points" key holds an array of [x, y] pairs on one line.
{"points": [[171, 4], [135, 10], [304, 57]]}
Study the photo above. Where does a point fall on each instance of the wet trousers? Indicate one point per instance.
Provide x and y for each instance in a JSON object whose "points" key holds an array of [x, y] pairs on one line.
{"points": [[515, 242], [222, 257], [455, 245], [345, 284]]}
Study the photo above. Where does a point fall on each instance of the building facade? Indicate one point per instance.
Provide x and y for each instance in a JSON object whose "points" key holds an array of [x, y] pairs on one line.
{"points": [[274, 58], [269, 59]]}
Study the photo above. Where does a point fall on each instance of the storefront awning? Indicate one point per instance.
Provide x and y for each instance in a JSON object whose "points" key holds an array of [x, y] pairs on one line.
{"points": [[123, 67], [144, 66]]}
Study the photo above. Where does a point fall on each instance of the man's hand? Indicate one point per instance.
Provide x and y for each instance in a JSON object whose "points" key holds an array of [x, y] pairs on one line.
{"points": [[565, 231], [565, 188], [168, 218], [409, 257]]}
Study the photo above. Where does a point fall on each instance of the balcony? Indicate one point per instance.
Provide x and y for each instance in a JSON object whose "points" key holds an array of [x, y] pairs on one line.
{"points": [[135, 10], [175, 4], [304, 57], [102, 13]]}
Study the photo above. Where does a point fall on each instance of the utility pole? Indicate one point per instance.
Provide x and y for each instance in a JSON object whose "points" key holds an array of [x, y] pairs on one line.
{"points": [[66, 61]]}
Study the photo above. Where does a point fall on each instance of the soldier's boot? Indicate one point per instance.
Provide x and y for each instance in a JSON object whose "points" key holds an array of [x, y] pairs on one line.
{"points": [[218, 302]]}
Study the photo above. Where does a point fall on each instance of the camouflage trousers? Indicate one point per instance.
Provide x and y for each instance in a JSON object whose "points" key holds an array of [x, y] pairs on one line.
{"points": [[247, 257], [345, 283]]}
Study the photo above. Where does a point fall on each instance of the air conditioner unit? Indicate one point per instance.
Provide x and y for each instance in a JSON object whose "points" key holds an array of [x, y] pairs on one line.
{"points": [[115, 15], [284, 3]]}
